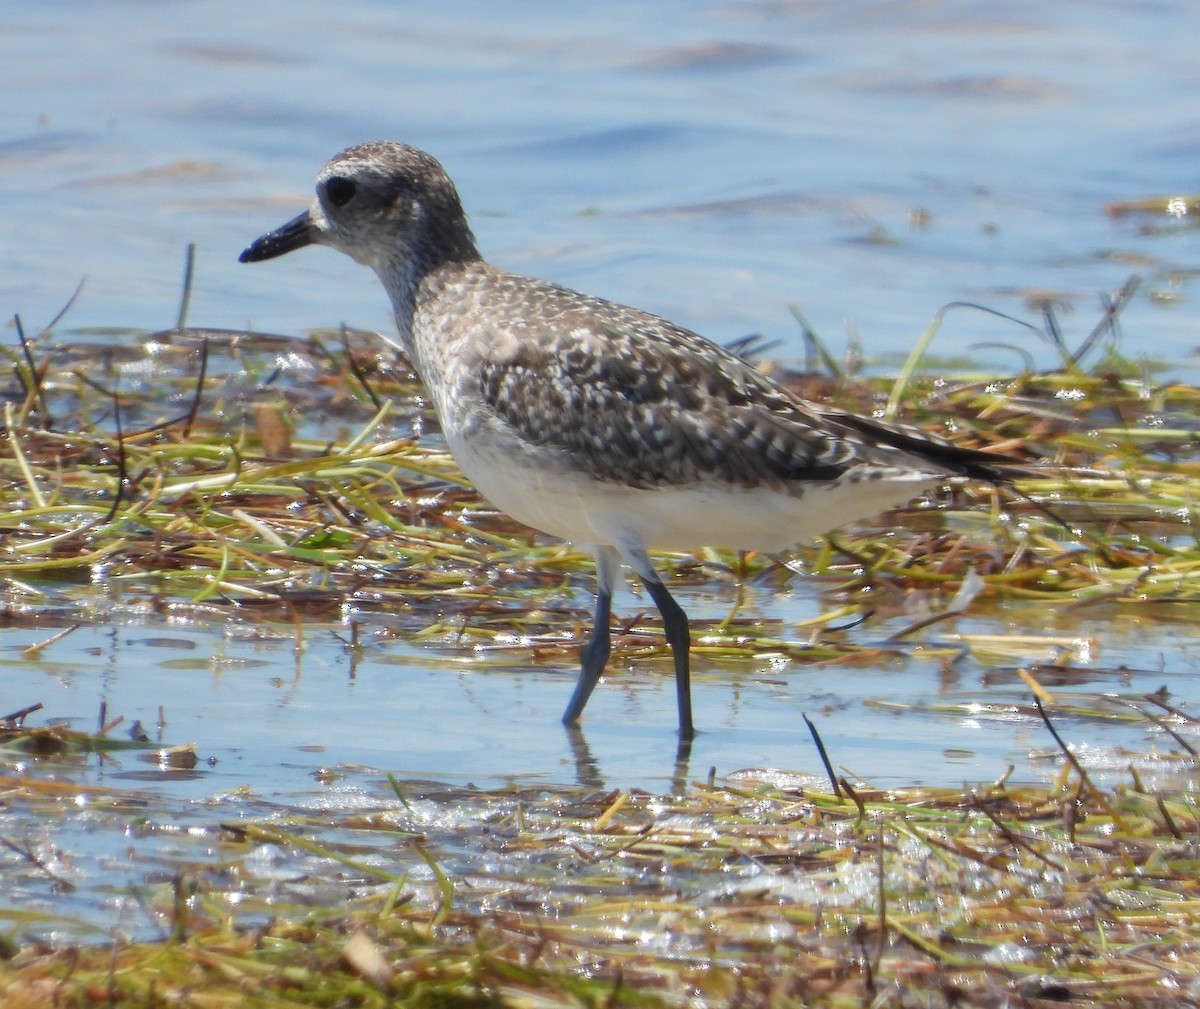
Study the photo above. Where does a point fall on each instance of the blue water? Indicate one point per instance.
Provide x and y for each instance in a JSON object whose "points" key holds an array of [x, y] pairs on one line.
{"points": [[713, 162], [264, 716]]}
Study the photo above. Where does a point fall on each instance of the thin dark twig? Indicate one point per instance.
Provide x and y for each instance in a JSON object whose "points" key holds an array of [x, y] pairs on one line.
{"points": [[356, 371], [1168, 819], [856, 621], [63, 311], [824, 755], [28, 854], [122, 460], [189, 265], [1157, 698], [920, 625], [108, 727], [1027, 360], [1015, 840], [752, 347], [854, 797], [1162, 724], [1071, 758], [1084, 778], [945, 310], [195, 407], [868, 965], [1108, 320], [18, 716], [813, 347], [182, 890], [1054, 331]]}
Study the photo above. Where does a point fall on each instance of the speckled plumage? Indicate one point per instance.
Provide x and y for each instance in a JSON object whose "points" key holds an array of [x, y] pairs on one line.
{"points": [[599, 422]]}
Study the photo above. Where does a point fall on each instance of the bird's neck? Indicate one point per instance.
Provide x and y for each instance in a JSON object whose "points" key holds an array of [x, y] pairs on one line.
{"points": [[401, 286], [419, 274]]}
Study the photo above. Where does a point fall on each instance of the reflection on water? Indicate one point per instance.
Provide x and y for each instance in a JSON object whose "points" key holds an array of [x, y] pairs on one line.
{"points": [[263, 715]]}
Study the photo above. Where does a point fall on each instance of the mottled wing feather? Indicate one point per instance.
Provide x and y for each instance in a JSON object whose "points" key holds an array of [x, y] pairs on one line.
{"points": [[637, 400]]}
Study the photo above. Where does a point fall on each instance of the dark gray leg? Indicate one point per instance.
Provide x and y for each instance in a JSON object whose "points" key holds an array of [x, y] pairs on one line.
{"points": [[595, 655], [679, 637]]}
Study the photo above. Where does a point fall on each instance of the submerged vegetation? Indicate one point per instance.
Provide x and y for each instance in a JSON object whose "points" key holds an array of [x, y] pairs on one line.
{"points": [[229, 475]]}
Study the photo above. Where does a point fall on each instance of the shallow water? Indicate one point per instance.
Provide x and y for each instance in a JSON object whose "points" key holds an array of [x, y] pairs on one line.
{"points": [[713, 162], [272, 716]]}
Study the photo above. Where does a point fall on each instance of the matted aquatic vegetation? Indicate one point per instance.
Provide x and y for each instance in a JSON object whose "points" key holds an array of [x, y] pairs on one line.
{"points": [[258, 478], [764, 889], [254, 470]]}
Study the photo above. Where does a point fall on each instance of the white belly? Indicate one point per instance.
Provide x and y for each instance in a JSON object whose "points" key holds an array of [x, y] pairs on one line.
{"points": [[564, 503]]}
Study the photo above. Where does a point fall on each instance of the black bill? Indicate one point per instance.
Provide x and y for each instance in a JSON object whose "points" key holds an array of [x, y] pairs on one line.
{"points": [[297, 233]]}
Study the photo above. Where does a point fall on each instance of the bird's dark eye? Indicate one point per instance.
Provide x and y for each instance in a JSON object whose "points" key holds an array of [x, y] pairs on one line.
{"points": [[339, 190]]}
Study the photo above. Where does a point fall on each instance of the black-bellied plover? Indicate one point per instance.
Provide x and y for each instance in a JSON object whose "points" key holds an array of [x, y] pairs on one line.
{"points": [[598, 423]]}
